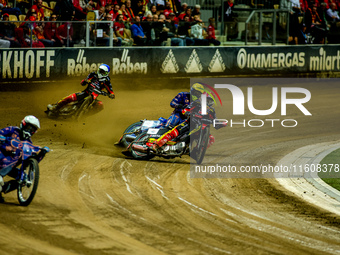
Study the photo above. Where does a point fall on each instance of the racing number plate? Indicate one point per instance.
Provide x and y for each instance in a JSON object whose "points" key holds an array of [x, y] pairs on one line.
{"points": [[152, 131]]}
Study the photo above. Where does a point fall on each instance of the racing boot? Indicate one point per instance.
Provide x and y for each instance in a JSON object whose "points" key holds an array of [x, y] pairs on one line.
{"points": [[52, 107]]}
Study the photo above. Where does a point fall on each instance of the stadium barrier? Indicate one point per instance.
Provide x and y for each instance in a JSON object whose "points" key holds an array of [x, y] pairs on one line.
{"points": [[64, 63]]}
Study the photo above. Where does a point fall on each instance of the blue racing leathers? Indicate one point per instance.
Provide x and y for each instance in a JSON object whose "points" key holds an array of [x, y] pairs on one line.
{"points": [[179, 102], [9, 154]]}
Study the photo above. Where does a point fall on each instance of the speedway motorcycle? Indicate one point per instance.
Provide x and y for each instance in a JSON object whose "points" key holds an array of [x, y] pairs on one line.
{"points": [[135, 129], [25, 173], [78, 109], [194, 142]]}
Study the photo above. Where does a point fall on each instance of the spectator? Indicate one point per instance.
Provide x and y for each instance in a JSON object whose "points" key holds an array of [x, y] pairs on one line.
{"points": [[183, 31], [108, 8], [315, 25], [161, 30], [81, 8], [129, 10], [65, 10], [154, 10], [106, 27], [23, 5], [160, 4], [30, 39], [115, 12], [7, 32], [211, 33], [139, 8], [155, 18], [51, 33], [332, 14], [183, 9], [5, 7], [176, 40], [39, 33], [37, 7], [294, 24], [167, 10], [198, 33], [65, 32], [101, 13], [197, 10], [334, 23], [137, 32], [187, 13], [230, 20], [101, 3], [147, 26], [303, 36], [124, 12], [322, 11], [122, 32]]}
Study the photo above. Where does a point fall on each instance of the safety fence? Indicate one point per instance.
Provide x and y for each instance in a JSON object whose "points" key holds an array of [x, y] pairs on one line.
{"points": [[185, 62]]}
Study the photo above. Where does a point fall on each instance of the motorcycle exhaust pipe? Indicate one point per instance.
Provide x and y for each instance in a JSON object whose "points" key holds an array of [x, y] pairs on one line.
{"points": [[139, 148]]}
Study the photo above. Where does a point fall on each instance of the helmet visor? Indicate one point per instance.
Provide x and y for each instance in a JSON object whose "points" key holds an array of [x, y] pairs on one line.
{"points": [[102, 72], [30, 129]]}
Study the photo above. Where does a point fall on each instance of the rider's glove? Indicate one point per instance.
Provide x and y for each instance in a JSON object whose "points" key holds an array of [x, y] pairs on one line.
{"points": [[186, 112], [112, 96], [45, 149], [84, 82], [179, 106], [218, 126]]}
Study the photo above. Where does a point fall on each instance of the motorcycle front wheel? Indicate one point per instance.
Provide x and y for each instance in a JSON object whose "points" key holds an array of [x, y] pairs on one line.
{"points": [[200, 145], [28, 188], [83, 109], [129, 130]]}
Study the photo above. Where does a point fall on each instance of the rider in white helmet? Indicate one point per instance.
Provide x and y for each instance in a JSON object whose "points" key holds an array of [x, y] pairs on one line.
{"points": [[9, 155], [99, 79]]}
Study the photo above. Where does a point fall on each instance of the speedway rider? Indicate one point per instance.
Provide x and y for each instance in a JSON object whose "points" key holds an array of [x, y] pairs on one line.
{"points": [[99, 80], [179, 102], [9, 155], [196, 91]]}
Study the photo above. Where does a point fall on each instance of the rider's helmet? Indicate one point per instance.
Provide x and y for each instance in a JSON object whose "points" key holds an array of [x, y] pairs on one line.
{"points": [[28, 126], [196, 90], [103, 72]]}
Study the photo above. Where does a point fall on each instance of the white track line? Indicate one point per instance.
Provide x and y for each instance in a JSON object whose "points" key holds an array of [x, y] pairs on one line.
{"points": [[306, 185]]}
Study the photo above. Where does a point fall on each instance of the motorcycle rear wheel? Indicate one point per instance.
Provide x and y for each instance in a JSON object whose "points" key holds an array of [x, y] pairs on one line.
{"points": [[26, 190]]}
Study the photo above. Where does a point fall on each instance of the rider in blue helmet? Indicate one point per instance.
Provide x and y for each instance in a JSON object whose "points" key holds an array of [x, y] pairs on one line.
{"points": [[99, 79]]}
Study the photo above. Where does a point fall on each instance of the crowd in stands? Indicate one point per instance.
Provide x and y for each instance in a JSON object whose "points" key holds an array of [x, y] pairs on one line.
{"points": [[149, 22], [314, 22], [135, 22]]}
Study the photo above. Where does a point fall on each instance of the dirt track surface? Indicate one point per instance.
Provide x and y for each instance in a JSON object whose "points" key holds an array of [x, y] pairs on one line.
{"points": [[93, 200]]}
